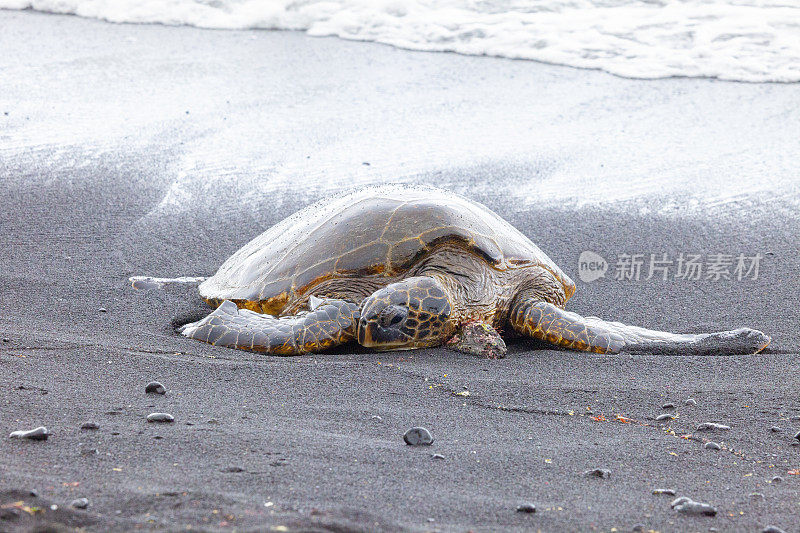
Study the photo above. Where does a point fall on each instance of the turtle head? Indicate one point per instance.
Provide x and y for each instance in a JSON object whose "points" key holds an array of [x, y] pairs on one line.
{"points": [[413, 313]]}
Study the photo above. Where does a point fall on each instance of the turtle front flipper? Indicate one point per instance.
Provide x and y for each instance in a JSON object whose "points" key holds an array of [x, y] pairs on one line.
{"points": [[547, 322], [330, 323], [550, 323]]}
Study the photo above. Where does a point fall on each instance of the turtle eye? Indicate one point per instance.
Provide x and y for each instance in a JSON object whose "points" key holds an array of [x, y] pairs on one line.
{"points": [[392, 315]]}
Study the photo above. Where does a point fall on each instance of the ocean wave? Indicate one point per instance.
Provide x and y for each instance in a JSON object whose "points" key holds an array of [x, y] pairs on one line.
{"points": [[745, 40]]}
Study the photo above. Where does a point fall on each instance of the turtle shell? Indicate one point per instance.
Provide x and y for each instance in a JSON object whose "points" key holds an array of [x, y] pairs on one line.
{"points": [[381, 230]]}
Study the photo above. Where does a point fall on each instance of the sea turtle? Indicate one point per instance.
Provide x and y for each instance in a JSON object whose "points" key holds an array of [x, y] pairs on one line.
{"points": [[402, 267]]}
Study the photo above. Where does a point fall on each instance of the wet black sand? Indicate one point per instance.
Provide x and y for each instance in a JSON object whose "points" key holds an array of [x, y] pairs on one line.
{"points": [[304, 430]]}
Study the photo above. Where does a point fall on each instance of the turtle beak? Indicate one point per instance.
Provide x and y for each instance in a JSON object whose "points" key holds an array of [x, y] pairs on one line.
{"points": [[364, 333]]}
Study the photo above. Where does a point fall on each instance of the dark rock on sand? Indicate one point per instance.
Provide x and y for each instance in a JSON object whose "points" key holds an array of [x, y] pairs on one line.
{"points": [[154, 387], [694, 508], [776, 429], [103, 310], [776, 479], [80, 503], [39, 433], [756, 496], [668, 406], [712, 426], [90, 425], [678, 501], [160, 417], [526, 507], [598, 472], [418, 436], [638, 527], [797, 435], [772, 529], [667, 492], [232, 470], [712, 446]]}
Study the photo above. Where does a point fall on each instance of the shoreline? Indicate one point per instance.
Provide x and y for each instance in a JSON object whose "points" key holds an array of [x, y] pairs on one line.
{"points": [[416, 47]]}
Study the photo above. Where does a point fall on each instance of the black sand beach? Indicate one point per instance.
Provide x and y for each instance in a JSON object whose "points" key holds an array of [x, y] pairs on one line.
{"points": [[147, 150]]}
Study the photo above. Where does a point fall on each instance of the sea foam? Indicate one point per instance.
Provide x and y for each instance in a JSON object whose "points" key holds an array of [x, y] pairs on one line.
{"points": [[747, 40]]}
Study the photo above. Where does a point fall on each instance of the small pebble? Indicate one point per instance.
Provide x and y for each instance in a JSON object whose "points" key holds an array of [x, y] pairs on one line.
{"points": [[756, 496], [212, 421], [6, 339], [772, 529], [89, 451], [376, 417], [690, 401], [668, 406], [34, 493], [797, 435], [678, 501], [437, 456], [526, 507], [154, 387], [39, 433], [776, 429], [598, 472], [712, 426], [638, 527], [777, 479], [696, 508], [418, 436], [665, 416], [232, 470], [160, 417], [668, 492], [712, 446], [103, 310], [90, 425], [80, 503]]}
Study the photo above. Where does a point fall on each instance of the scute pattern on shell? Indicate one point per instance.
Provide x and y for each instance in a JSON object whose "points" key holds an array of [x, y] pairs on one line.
{"points": [[382, 230]]}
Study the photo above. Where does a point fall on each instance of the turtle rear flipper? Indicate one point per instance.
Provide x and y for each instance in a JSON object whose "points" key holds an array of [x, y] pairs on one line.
{"points": [[330, 323], [550, 323]]}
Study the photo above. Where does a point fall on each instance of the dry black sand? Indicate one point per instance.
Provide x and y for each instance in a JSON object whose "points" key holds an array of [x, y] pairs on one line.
{"points": [[78, 221]]}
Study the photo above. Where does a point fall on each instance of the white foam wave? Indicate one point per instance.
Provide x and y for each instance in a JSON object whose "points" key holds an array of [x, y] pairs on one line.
{"points": [[747, 40]]}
